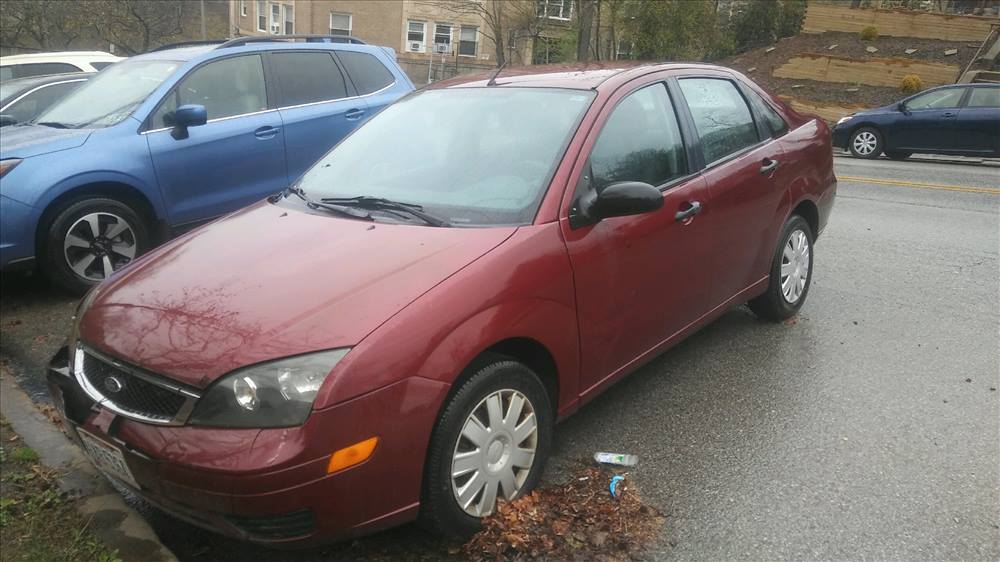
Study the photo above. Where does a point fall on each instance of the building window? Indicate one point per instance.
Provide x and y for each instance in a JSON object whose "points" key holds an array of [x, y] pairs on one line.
{"points": [[275, 19], [467, 41], [442, 38], [555, 9], [261, 16], [289, 11], [416, 36], [243, 8], [340, 24]]}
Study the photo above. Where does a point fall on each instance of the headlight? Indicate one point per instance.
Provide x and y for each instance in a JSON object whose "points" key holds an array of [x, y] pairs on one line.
{"points": [[844, 119], [275, 394], [8, 165]]}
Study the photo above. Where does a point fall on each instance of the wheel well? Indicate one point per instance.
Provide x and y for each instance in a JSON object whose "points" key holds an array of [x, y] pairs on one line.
{"points": [[807, 210], [112, 190], [530, 352]]}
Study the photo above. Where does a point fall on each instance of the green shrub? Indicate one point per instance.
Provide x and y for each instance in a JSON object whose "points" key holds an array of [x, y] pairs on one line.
{"points": [[869, 33], [911, 84]]}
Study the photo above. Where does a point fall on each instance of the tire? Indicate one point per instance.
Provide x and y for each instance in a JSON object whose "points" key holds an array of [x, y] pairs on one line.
{"points": [[67, 236], [866, 142], [897, 155], [501, 380], [780, 301]]}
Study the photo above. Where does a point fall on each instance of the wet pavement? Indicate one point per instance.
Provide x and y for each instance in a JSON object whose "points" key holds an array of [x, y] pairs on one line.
{"points": [[867, 427]]}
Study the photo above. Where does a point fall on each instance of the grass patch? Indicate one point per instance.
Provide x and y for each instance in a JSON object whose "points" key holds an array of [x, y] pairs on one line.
{"points": [[36, 522]]}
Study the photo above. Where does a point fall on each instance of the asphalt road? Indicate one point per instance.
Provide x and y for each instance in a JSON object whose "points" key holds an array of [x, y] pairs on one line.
{"points": [[868, 428]]}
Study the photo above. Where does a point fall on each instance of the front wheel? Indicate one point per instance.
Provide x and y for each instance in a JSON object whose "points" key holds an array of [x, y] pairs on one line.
{"points": [[91, 238], [866, 142], [791, 273], [490, 444]]}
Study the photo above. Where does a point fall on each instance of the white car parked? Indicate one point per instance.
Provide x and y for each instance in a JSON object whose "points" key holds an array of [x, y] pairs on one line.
{"points": [[39, 64]]}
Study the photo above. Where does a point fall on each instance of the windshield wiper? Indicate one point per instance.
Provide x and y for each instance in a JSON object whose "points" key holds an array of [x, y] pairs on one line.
{"points": [[340, 209], [54, 125], [382, 204]]}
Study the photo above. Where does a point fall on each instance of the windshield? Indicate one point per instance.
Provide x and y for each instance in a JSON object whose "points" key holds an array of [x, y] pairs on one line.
{"points": [[111, 95], [476, 156]]}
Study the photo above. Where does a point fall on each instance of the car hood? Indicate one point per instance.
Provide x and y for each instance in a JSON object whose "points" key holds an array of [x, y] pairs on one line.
{"points": [[24, 141], [270, 282]]}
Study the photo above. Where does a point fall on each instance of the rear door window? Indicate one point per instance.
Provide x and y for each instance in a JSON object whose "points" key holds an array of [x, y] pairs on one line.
{"points": [[984, 97], [42, 69], [641, 141], [227, 88], [307, 77], [721, 116], [367, 72]]}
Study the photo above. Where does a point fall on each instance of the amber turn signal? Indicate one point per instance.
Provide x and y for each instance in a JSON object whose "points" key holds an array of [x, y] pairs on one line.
{"points": [[350, 456]]}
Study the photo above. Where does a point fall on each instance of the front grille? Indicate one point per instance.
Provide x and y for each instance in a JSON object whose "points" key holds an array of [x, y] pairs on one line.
{"points": [[134, 394], [284, 526]]}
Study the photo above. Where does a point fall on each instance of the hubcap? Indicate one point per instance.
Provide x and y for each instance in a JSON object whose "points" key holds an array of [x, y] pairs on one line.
{"points": [[865, 142], [495, 452], [795, 266], [97, 244]]}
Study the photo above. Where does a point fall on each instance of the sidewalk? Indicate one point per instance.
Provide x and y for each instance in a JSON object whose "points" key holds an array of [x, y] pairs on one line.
{"points": [[111, 520]]}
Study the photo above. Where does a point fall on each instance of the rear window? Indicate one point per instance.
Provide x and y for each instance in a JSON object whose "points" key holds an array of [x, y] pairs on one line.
{"points": [[308, 77], [367, 72], [42, 69], [721, 116]]}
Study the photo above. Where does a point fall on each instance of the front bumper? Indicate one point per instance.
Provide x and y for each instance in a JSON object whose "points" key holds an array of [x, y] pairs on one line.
{"points": [[841, 135], [18, 223], [271, 486]]}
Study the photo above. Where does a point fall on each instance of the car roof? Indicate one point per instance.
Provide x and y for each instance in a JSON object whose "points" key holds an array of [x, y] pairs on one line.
{"points": [[62, 55], [576, 76], [192, 52]]}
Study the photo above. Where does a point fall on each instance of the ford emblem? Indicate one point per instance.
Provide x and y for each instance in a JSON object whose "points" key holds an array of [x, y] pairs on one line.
{"points": [[113, 384]]}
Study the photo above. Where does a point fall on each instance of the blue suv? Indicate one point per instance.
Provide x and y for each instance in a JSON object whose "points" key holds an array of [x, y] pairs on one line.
{"points": [[164, 141]]}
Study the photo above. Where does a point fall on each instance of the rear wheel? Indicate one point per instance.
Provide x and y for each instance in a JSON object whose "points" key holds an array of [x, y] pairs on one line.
{"points": [[91, 238], [866, 142], [490, 444], [898, 155], [791, 273]]}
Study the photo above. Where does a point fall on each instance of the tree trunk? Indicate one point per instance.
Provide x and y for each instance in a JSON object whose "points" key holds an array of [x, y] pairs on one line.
{"points": [[585, 18]]}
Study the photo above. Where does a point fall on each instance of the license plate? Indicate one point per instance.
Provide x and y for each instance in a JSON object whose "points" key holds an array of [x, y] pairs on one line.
{"points": [[107, 458]]}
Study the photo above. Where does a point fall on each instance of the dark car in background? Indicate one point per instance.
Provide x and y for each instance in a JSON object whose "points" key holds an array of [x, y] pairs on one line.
{"points": [[960, 120], [22, 99]]}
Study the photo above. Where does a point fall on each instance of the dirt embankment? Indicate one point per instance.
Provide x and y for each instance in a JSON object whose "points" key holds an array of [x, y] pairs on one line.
{"points": [[847, 45]]}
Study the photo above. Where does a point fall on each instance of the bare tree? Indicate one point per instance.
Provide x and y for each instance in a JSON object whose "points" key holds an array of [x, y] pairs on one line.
{"points": [[136, 25], [504, 21], [585, 23], [40, 24]]}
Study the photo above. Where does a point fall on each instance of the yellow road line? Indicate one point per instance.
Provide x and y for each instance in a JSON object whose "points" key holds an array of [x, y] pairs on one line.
{"points": [[920, 185]]}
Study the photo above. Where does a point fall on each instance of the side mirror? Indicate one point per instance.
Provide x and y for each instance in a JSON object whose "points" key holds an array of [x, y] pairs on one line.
{"points": [[901, 107], [617, 200], [185, 116], [7, 120]]}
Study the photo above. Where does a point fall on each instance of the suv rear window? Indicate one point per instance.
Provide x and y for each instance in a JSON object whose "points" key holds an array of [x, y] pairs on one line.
{"points": [[367, 72], [308, 77], [42, 69]]}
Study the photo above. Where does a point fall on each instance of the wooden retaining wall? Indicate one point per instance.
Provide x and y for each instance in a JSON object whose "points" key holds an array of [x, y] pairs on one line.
{"points": [[827, 111], [822, 17], [873, 72]]}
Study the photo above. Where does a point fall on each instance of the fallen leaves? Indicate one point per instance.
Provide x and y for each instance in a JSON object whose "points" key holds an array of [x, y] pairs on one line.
{"points": [[578, 520]]}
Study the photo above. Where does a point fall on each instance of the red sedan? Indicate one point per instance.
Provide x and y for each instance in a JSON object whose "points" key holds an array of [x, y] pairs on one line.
{"points": [[395, 336]]}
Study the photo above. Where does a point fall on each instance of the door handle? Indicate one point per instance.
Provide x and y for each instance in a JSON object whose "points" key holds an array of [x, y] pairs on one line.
{"points": [[768, 165], [266, 132], [354, 114], [948, 114], [691, 211]]}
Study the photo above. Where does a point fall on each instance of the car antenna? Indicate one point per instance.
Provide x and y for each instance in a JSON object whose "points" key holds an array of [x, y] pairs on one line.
{"points": [[493, 79]]}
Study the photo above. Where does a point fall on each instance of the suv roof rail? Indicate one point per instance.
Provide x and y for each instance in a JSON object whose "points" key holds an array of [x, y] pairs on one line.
{"points": [[240, 41], [187, 44]]}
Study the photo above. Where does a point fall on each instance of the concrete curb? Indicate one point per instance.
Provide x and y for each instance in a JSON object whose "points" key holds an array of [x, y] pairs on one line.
{"points": [[119, 526], [930, 158]]}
